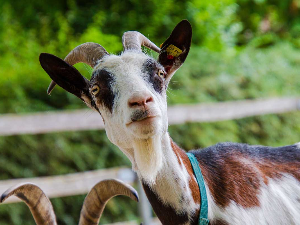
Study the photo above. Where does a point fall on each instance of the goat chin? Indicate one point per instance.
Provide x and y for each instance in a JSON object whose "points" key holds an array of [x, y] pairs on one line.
{"points": [[148, 158], [146, 129]]}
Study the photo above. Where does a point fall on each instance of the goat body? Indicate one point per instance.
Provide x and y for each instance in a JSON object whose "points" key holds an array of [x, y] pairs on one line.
{"points": [[245, 184]]}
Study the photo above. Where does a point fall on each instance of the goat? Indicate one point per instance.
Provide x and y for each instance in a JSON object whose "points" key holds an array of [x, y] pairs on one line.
{"points": [[244, 184], [93, 206]]}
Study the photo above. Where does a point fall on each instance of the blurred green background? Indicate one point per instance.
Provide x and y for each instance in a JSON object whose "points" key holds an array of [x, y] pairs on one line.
{"points": [[242, 49]]}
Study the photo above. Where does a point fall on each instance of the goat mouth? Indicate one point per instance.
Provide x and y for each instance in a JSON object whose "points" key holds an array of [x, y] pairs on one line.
{"points": [[136, 120]]}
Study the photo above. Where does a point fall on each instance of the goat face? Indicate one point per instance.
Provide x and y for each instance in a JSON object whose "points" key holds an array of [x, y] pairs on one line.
{"points": [[129, 90]]}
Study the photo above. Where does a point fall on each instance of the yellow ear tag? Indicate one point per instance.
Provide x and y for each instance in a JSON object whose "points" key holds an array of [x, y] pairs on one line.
{"points": [[173, 51]]}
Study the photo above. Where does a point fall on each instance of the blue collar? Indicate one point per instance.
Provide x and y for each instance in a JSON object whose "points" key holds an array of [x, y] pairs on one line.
{"points": [[203, 217]]}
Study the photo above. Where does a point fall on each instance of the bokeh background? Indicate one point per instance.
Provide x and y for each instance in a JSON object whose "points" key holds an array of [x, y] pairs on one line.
{"points": [[242, 49]]}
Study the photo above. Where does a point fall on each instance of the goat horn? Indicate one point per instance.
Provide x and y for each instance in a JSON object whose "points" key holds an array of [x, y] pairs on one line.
{"points": [[133, 40], [38, 203], [89, 53], [97, 198]]}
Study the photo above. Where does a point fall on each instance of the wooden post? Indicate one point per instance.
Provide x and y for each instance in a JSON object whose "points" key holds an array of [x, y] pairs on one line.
{"points": [[144, 206]]}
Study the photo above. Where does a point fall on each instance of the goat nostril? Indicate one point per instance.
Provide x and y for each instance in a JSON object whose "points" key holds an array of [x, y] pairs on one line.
{"points": [[138, 101], [132, 104], [150, 99]]}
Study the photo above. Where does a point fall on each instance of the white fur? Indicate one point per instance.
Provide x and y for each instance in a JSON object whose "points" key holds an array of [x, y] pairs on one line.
{"points": [[298, 144], [172, 181], [279, 204], [148, 157]]}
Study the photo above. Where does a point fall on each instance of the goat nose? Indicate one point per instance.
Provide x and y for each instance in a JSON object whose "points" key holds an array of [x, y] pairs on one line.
{"points": [[139, 100]]}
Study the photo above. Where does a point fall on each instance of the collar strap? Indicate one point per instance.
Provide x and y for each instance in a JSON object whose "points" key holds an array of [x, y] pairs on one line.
{"points": [[203, 218]]}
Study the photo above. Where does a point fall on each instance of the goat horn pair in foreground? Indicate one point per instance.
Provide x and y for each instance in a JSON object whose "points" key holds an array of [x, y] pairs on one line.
{"points": [[244, 184], [93, 206]]}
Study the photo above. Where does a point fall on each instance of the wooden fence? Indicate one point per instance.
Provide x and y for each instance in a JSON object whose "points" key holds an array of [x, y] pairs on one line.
{"points": [[70, 184], [47, 122]]}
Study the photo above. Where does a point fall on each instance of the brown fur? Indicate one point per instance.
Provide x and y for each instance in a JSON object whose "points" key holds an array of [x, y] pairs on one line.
{"points": [[235, 172]]}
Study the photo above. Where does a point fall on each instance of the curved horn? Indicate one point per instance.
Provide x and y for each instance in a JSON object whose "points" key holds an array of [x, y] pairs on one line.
{"points": [[89, 53], [38, 203], [134, 40], [97, 198]]}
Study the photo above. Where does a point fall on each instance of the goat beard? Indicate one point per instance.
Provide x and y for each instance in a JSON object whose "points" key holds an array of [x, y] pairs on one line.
{"points": [[148, 158]]}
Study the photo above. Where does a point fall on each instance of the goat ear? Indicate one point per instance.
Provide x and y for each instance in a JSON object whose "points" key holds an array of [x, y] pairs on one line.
{"points": [[65, 75], [176, 48]]}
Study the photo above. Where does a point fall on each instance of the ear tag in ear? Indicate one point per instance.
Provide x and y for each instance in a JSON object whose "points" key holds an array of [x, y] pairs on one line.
{"points": [[173, 51]]}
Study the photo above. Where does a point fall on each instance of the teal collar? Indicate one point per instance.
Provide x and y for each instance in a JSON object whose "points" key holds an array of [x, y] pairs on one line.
{"points": [[203, 218]]}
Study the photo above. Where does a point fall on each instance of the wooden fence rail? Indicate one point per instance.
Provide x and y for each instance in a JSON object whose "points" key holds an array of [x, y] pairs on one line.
{"points": [[70, 184], [38, 123]]}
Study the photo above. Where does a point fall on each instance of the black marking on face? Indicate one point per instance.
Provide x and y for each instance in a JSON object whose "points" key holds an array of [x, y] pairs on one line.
{"points": [[93, 104], [151, 67], [105, 96]]}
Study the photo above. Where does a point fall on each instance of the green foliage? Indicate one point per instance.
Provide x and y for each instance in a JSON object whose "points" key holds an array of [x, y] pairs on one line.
{"points": [[269, 16], [216, 25], [242, 50], [210, 77]]}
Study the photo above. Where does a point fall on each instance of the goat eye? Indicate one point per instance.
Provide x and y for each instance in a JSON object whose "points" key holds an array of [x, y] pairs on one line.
{"points": [[95, 89], [161, 73]]}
